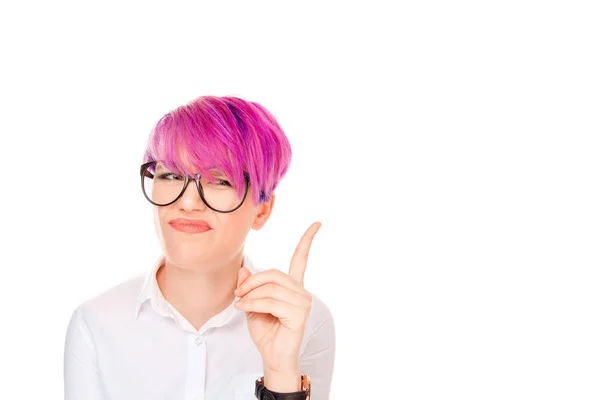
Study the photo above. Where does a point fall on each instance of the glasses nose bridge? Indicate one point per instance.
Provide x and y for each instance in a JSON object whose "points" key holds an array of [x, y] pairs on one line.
{"points": [[193, 181]]}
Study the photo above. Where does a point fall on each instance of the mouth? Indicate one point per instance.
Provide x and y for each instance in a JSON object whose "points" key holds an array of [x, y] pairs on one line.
{"points": [[190, 225]]}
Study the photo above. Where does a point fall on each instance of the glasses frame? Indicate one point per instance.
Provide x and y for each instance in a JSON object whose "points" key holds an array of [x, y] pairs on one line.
{"points": [[144, 166]]}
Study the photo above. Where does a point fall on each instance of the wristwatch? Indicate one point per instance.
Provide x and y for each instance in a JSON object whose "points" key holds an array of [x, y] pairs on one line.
{"points": [[262, 393]]}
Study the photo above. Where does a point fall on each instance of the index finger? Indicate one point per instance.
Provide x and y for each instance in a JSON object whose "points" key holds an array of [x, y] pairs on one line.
{"points": [[298, 264]]}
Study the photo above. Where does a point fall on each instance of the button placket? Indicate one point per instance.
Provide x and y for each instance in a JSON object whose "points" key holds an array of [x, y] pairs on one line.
{"points": [[196, 367]]}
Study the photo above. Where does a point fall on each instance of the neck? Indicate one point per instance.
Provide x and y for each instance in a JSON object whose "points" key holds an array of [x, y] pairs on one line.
{"points": [[200, 293]]}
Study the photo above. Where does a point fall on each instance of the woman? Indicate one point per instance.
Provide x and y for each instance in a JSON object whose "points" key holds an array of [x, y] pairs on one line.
{"points": [[181, 331]]}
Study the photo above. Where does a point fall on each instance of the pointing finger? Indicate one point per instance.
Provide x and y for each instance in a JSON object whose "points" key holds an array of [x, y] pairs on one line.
{"points": [[300, 257]]}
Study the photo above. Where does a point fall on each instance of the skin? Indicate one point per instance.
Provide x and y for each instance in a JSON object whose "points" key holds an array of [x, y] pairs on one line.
{"points": [[277, 307], [202, 272]]}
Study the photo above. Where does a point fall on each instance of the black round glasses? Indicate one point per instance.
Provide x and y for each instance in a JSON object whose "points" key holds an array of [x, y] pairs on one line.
{"points": [[162, 187]]}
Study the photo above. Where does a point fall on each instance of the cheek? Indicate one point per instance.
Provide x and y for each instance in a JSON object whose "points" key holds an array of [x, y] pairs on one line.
{"points": [[157, 215], [240, 223], [236, 227]]}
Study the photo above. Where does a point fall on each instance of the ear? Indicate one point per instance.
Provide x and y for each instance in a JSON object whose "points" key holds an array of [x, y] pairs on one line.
{"points": [[263, 213]]}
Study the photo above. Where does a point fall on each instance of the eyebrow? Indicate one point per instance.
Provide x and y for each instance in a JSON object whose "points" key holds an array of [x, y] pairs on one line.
{"points": [[213, 170], [216, 171]]}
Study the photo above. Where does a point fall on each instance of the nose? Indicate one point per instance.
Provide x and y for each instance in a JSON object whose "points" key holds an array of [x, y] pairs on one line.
{"points": [[190, 199]]}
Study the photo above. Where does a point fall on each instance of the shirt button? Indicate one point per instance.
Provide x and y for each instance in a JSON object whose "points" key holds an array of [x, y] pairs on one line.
{"points": [[198, 341]]}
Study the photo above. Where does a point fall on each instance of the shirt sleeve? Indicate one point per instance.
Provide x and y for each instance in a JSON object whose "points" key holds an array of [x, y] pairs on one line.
{"points": [[81, 376], [317, 360]]}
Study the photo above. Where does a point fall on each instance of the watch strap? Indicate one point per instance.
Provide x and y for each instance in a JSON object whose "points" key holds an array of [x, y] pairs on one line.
{"points": [[262, 393]]}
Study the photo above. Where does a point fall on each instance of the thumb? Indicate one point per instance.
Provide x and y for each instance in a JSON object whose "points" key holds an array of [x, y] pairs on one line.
{"points": [[243, 274]]}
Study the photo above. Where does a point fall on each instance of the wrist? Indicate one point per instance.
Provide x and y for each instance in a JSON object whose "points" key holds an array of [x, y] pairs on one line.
{"points": [[287, 381]]}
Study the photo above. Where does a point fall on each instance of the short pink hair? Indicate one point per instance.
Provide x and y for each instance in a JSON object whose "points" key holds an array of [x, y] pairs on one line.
{"points": [[227, 133]]}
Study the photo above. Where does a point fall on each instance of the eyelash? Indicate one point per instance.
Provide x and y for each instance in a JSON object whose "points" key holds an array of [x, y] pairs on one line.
{"points": [[163, 176]]}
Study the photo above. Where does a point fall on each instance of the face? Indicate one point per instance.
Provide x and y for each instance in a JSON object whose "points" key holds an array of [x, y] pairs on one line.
{"points": [[216, 246]]}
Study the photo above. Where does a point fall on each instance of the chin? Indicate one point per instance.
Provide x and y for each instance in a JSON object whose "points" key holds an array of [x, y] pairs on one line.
{"points": [[186, 254]]}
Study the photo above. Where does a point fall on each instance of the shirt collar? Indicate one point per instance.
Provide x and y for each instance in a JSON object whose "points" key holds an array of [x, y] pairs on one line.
{"points": [[150, 290]]}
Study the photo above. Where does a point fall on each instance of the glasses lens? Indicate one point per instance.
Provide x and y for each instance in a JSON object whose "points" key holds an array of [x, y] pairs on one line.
{"points": [[162, 186], [220, 194]]}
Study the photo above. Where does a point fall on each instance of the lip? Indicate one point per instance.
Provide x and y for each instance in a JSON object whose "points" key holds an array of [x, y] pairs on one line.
{"points": [[190, 225]]}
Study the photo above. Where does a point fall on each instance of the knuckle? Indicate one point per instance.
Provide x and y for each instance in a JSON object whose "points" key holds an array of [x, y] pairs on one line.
{"points": [[271, 289]]}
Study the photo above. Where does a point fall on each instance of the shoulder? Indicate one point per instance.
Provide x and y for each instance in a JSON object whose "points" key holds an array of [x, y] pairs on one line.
{"points": [[319, 311], [320, 319], [114, 303], [319, 333]]}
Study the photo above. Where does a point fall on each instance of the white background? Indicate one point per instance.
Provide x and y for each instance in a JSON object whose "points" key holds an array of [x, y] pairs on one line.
{"points": [[450, 150]]}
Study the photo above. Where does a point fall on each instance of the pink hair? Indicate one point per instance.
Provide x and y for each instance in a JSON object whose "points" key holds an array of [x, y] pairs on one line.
{"points": [[229, 133]]}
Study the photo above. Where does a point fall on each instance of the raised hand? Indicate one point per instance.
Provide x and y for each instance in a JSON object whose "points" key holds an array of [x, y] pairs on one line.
{"points": [[277, 307]]}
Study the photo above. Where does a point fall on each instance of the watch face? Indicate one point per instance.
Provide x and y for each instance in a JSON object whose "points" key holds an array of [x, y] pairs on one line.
{"points": [[305, 383]]}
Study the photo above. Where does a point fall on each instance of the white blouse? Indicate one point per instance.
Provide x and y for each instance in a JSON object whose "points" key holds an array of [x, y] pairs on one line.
{"points": [[129, 343]]}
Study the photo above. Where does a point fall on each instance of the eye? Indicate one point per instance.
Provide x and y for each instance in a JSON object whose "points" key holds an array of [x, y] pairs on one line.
{"points": [[222, 182], [167, 176]]}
